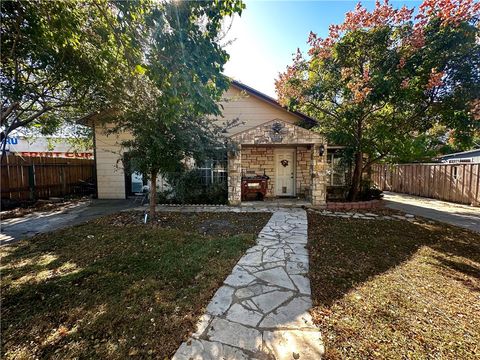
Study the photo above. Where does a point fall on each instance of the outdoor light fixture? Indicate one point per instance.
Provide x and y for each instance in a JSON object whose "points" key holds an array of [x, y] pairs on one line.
{"points": [[321, 150]]}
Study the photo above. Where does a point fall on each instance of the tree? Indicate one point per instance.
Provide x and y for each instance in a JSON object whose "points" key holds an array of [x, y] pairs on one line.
{"points": [[169, 110], [383, 77], [64, 59]]}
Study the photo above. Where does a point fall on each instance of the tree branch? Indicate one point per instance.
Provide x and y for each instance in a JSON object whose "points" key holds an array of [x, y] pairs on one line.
{"points": [[327, 112], [4, 115]]}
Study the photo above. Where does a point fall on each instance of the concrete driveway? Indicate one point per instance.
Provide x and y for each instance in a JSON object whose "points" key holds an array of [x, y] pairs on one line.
{"points": [[455, 214], [41, 222]]}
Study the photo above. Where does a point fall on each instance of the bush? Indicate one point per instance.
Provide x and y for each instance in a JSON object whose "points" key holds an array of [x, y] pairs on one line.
{"points": [[187, 188], [369, 192], [337, 193]]}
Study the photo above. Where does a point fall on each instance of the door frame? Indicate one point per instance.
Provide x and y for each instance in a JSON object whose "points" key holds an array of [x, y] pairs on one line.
{"points": [[127, 175], [294, 165]]}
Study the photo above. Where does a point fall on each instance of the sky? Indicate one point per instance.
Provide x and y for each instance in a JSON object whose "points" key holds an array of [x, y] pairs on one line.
{"points": [[268, 33]]}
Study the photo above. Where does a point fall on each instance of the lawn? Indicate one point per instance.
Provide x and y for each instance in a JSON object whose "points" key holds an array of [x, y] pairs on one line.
{"points": [[388, 289], [114, 288]]}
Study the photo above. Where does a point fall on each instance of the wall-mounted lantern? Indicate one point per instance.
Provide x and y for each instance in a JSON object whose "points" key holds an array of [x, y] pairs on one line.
{"points": [[321, 150]]}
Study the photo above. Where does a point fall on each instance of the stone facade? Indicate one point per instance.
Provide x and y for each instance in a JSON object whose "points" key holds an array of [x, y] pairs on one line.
{"points": [[318, 168], [255, 152], [283, 134], [303, 174], [259, 159], [235, 177]]}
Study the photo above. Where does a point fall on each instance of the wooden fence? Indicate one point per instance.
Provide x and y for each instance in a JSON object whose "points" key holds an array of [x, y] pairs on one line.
{"points": [[31, 178], [458, 183]]}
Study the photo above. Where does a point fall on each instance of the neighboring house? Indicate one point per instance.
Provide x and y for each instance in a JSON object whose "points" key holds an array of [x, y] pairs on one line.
{"points": [[296, 160], [471, 156]]}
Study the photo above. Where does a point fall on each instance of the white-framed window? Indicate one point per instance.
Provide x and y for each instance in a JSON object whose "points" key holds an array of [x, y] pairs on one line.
{"points": [[213, 171], [337, 170]]}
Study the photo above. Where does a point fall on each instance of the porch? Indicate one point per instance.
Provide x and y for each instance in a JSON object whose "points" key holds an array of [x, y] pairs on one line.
{"points": [[293, 158]]}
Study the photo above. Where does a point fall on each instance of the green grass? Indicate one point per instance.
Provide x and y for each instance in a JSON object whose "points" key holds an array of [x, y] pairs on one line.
{"points": [[104, 290], [395, 290]]}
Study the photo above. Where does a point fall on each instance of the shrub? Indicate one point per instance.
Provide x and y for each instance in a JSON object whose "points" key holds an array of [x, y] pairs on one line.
{"points": [[369, 192], [188, 188]]}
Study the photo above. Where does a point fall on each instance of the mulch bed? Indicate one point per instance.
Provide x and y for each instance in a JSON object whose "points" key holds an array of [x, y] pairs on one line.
{"points": [[385, 289]]}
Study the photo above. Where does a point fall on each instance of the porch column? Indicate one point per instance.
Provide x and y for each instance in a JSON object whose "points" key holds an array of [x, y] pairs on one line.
{"points": [[318, 171], [235, 177]]}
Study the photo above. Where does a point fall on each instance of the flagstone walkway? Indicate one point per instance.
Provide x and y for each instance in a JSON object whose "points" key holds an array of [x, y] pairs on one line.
{"points": [[261, 311]]}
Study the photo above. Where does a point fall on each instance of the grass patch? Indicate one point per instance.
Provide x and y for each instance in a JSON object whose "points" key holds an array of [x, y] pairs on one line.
{"points": [[113, 289], [394, 289]]}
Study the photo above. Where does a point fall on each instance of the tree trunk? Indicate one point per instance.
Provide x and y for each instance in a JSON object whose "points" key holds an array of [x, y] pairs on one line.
{"points": [[153, 193], [356, 178]]}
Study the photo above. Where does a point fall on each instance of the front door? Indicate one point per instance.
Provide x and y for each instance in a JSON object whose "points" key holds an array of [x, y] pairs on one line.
{"points": [[285, 172]]}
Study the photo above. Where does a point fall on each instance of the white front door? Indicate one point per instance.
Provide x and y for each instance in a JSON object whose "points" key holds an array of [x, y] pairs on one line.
{"points": [[285, 172]]}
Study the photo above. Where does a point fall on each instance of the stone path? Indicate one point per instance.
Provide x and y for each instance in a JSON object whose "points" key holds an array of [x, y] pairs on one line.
{"points": [[364, 215], [261, 311]]}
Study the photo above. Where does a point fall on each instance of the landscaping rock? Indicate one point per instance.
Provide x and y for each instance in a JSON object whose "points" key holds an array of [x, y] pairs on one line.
{"points": [[230, 333], [221, 301]]}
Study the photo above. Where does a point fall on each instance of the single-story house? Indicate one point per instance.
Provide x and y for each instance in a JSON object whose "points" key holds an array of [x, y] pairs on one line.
{"points": [[297, 161], [470, 156]]}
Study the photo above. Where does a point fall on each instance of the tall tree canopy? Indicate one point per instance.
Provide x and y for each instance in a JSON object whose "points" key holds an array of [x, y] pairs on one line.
{"points": [[385, 76], [168, 109], [63, 59]]}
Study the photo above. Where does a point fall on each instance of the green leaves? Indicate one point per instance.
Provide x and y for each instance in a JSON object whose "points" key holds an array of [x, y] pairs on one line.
{"points": [[65, 59], [140, 70], [372, 84], [169, 108], [379, 87]]}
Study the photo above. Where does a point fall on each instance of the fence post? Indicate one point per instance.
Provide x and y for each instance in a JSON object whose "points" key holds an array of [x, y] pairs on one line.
{"points": [[31, 181], [64, 181]]}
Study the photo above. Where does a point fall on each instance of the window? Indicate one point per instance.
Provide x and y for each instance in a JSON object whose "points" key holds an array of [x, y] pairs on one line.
{"points": [[337, 170], [213, 171]]}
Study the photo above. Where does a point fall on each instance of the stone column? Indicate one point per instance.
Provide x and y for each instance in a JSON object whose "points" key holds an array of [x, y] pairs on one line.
{"points": [[318, 171], [235, 177]]}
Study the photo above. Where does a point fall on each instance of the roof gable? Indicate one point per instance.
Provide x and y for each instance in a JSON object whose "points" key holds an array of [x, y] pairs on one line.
{"points": [[277, 132], [271, 101]]}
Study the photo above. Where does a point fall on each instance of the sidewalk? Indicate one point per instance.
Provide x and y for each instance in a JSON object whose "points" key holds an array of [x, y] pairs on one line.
{"points": [[41, 222], [455, 214]]}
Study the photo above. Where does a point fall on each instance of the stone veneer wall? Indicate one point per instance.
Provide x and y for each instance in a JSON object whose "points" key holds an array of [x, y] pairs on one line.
{"points": [[259, 159], [292, 135], [235, 177], [318, 169], [303, 170]]}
